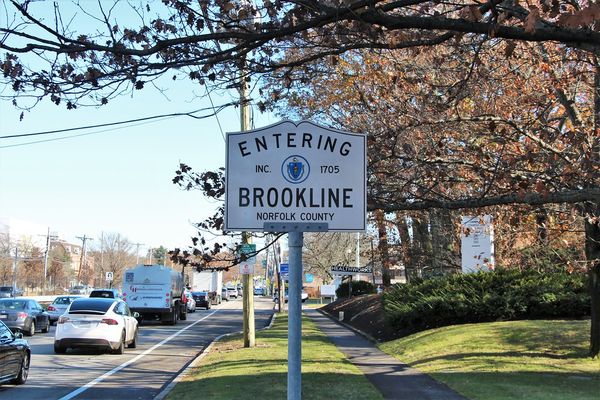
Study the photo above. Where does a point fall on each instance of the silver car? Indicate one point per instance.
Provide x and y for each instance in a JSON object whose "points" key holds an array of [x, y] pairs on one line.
{"points": [[59, 306]]}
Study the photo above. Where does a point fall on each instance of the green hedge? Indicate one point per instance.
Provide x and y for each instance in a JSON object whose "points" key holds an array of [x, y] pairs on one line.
{"points": [[358, 288], [486, 296]]}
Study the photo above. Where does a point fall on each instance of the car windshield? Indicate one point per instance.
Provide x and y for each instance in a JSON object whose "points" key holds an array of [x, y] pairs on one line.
{"points": [[103, 293], [62, 300], [90, 306], [6, 289], [8, 305], [199, 293]]}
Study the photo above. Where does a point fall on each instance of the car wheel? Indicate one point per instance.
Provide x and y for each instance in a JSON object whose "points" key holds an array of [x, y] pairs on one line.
{"points": [[121, 348], [46, 329], [58, 349], [31, 330], [133, 343], [24, 372]]}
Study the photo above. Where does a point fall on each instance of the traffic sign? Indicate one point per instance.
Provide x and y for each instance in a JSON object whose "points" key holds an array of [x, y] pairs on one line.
{"points": [[296, 174], [284, 268], [247, 265], [109, 276]]}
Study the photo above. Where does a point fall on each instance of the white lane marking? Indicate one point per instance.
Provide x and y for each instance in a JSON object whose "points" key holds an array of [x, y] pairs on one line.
{"points": [[126, 363]]}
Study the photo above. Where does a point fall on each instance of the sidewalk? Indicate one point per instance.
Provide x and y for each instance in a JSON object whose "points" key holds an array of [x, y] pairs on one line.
{"points": [[394, 379]]}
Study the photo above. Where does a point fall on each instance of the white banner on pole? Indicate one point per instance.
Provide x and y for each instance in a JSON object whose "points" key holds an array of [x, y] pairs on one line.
{"points": [[477, 243]]}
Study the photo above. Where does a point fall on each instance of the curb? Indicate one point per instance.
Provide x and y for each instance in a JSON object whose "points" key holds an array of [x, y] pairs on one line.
{"points": [[348, 326], [186, 370]]}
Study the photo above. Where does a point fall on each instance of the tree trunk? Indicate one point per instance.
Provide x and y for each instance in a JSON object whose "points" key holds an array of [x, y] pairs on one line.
{"points": [[445, 255], [541, 222], [383, 248], [592, 253], [402, 226], [592, 228], [421, 241]]}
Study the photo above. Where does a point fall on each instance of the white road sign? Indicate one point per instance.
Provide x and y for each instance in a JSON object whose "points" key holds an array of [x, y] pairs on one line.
{"points": [[477, 243], [295, 173], [109, 276]]}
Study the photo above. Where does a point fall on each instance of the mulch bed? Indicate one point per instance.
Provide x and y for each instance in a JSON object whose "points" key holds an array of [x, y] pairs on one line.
{"points": [[364, 313]]}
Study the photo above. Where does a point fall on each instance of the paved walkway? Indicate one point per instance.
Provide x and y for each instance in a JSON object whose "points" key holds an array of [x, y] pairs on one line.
{"points": [[394, 379]]}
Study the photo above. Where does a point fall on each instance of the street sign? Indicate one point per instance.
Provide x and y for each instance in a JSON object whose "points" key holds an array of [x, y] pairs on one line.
{"points": [[109, 276], [284, 268], [295, 173], [347, 270], [247, 266]]}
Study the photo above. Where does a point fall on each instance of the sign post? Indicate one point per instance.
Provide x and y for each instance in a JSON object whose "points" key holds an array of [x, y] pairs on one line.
{"points": [[109, 278], [295, 177]]}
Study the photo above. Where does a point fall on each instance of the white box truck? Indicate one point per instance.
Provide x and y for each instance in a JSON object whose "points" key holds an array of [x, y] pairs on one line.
{"points": [[155, 292], [208, 281]]}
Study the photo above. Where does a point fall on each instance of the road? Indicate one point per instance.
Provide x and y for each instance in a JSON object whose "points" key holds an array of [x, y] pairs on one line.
{"points": [[139, 374]]}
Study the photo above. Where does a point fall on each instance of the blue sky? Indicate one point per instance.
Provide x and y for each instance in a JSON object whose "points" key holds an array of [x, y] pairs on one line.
{"points": [[117, 180]]}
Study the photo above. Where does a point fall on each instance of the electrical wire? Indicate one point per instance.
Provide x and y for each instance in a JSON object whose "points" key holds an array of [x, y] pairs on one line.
{"points": [[214, 112]]}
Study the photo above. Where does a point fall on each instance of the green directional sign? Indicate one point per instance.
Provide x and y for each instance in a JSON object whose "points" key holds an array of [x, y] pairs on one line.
{"points": [[248, 248]]}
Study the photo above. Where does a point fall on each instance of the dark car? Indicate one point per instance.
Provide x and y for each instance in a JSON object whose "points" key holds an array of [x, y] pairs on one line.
{"points": [[106, 293], [202, 299], [9, 291], [24, 315], [14, 355]]}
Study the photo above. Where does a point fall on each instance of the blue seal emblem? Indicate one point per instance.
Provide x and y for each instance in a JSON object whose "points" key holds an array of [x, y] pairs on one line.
{"points": [[295, 169]]}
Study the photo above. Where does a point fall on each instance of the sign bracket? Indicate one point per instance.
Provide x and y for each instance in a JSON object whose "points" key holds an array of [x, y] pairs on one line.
{"points": [[290, 227]]}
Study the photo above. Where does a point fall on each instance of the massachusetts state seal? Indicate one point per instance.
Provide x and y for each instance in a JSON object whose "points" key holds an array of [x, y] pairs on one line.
{"points": [[295, 169]]}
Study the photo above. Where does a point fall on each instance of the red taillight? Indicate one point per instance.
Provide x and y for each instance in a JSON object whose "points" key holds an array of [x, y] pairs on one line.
{"points": [[62, 320], [50, 308], [109, 321], [21, 315]]}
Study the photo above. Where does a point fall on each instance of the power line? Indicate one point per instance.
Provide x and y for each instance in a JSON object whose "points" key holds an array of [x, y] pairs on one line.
{"points": [[214, 112]]}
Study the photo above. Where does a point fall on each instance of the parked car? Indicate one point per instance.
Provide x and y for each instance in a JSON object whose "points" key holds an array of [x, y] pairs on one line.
{"points": [[59, 306], [225, 294], [259, 291], [15, 355], [202, 299], [9, 291], [106, 293], [24, 315], [240, 291], [80, 289], [232, 292], [191, 302], [96, 322]]}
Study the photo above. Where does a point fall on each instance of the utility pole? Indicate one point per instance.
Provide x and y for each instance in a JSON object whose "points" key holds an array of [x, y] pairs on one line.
{"points": [[247, 281], [48, 238], [15, 265], [137, 253], [83, 239]]}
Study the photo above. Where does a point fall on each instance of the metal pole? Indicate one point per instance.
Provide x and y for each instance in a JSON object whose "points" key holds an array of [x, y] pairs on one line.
{"points": [[294, 381], [46, 258], [15, 266]]}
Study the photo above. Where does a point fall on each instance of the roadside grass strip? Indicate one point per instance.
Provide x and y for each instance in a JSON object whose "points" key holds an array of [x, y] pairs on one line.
{"points": [[526, 360], [230, 371]]}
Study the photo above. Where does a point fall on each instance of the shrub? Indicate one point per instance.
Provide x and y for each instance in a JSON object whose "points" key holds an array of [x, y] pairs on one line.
{"points": [[358, 288], [486, 296]]}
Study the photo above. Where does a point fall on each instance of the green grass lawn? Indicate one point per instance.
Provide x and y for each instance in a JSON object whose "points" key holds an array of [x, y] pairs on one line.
{"points": [[527, 360], [230, 371]]}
